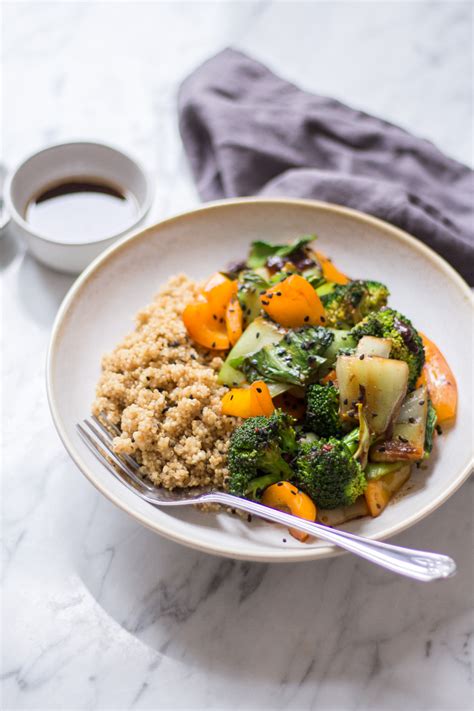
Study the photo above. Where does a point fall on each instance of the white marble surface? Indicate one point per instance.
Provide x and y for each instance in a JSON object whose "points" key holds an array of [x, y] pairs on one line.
{"points": [[99, 613]]}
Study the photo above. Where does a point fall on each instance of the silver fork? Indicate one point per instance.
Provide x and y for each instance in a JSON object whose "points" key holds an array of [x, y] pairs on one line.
{"points": [[420, 565]]}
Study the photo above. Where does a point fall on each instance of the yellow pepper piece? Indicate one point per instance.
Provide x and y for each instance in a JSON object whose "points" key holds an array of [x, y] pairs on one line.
{"points": [[284, 496], [293, 302], [248, 402], [234, 320], [218, 291], [203, 328], [440, 381], [330, 272]]}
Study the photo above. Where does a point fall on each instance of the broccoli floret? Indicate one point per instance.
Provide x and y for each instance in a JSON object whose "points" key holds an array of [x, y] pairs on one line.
{"points": [[406, 342], [257, 450], [349, 303], [329, 474], [295, 359], [322, 410]]}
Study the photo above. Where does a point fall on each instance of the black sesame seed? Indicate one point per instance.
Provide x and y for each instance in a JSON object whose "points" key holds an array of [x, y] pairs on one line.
{"points": [[421, 403], [269, 296], [231, 397], [214, 317], [284, 540], [249, 518], [306, 319], [411, 420], [213, 344], [361, 357], [259, 390], [294, 492], [322, 319], [345, 401], [257, 335], [380, 449], [278, 293], [265, 303], [280, 483], [403, 439], [439, 430], [233, 511]]}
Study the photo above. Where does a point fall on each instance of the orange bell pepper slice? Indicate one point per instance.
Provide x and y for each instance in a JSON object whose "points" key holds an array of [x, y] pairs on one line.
{"points": [[218, 291], [248, 402], [203, 328], [293, 302], [294, 406], [234, 319], [330, 272], [440, 381], [284, 496], [329, 378]]}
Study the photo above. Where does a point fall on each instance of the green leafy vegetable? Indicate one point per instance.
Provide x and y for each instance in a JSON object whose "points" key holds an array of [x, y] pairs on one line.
{"points": [[295, 359], [261, 251]]}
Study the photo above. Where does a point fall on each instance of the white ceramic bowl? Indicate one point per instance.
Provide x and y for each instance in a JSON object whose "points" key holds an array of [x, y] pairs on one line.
{"points": [[72, 161], [99, 311]]}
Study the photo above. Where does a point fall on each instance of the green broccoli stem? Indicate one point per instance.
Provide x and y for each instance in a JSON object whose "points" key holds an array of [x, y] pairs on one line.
{"points": [[374, 470], [351, 440], [260, 484]]}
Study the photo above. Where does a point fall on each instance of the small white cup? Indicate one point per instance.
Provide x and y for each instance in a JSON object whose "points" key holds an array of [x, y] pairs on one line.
{"points": [[79, 160]]}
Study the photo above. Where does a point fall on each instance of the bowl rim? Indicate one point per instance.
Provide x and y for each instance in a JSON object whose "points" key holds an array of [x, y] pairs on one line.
{"points": [[18, 219], [285, 555]]}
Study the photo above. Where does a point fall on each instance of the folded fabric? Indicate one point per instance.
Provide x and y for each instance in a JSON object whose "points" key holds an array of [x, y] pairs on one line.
{"points": [[248, 132]]}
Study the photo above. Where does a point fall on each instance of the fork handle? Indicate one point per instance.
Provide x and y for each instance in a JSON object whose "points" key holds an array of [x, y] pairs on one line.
{"points": [[420, 565]]}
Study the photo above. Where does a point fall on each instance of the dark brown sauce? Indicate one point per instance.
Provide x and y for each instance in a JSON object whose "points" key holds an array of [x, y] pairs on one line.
{"points": [[81, 211]]}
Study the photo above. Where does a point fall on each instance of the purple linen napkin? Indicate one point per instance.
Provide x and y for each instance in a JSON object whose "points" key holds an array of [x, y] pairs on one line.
{"points": [[248, 132]]}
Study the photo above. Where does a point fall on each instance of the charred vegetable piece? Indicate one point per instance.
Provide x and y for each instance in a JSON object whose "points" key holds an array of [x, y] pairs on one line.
{"points": [[342, 514], [379, 384], [407, 442], [379, 491], [294, 360], [258, 448], [406, 342], [349, 303]]}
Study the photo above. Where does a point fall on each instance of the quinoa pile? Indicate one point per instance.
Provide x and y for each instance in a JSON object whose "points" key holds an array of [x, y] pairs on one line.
{"points": [[161, 390]]}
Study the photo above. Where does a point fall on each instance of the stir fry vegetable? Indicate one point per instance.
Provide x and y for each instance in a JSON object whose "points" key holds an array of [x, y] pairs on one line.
{"points": [[340, 394]]}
